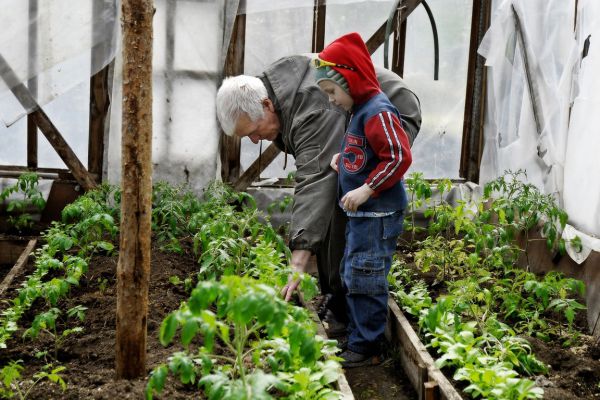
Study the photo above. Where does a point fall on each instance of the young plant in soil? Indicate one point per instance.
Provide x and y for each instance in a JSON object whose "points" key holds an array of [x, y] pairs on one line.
{"points": [[63, 259], [254, 344], [11, 384], [27, 186], [46, 322]]}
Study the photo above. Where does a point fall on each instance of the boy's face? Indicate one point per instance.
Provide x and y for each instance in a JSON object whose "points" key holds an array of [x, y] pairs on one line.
{"points": [[336, 94], [266, 128]]}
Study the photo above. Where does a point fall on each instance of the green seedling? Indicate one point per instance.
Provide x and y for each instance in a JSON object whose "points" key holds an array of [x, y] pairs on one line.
{"points": [[12, 385]]}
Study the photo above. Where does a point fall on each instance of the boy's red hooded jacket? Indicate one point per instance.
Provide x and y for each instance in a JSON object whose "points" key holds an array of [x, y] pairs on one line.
{"points": [[376, 149]]}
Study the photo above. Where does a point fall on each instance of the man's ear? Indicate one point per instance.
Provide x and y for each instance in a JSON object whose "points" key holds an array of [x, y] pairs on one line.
{"points": [[269, 104]]}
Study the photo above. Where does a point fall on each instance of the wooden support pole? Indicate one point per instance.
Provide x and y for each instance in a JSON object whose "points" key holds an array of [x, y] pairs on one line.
{"points": [[474, 114], [234, 65], [399, 49], [99, 106], [32, 130], [133, 268], [431, 390], [46, 126], [100, 88], [318, 35]]}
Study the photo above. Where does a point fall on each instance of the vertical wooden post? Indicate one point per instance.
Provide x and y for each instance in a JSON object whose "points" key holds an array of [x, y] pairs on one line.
{"points": [[133, 269], [234, 65], [100, 88], [472, 138], [32, 84], [318, 35], [99, 106], [399, 48]]}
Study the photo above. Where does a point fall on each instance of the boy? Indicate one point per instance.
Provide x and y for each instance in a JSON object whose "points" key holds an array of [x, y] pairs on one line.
{"points": [[374, 156]]}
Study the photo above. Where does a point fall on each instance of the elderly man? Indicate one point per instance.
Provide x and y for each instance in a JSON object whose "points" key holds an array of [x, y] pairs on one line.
{"points": [[284, 105]]}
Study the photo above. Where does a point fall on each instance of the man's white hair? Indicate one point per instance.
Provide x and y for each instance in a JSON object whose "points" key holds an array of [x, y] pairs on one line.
{"points": [[237, 95]]}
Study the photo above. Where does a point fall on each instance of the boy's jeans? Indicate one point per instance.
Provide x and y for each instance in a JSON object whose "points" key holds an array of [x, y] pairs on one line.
{"points": [[370, 245]]}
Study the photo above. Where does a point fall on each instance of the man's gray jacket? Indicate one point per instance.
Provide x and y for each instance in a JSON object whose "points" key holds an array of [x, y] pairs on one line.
{"points": [[311, 130]]}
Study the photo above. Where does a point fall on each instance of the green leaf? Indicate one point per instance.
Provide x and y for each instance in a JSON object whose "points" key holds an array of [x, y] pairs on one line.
{"points": [[107, 246], [156, 381], [168, 329], [189, 331]]}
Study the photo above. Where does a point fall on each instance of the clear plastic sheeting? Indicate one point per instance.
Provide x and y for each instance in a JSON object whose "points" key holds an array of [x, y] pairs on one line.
{"points": [[186, 62], [283, 28], [277, 29], [528, 48], [582, 161], [272, 33], [51, 46], [436, 150], [259, 6], [542, 102]]}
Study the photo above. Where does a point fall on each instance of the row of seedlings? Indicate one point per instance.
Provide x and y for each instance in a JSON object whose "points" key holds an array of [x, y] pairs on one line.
{"points": [[88, 227], [240, 339], [477, 305]]}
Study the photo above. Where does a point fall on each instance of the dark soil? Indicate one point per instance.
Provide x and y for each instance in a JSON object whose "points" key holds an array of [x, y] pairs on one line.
{"points": [[381, 382], [574, 371], [4, 268], [89, 358]]}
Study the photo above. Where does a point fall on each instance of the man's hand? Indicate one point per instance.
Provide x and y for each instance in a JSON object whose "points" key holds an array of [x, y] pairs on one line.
{"points": [[299, 261], [334, 162], [353, 199]]}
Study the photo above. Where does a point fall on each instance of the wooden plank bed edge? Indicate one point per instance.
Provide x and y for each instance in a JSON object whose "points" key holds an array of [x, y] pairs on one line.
{"points": [[415, 358], [21, 262]]}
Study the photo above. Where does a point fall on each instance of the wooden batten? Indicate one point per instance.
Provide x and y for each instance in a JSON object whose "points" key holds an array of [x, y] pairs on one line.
{"points": [[418, 364], [21, 262], [256, 168]]}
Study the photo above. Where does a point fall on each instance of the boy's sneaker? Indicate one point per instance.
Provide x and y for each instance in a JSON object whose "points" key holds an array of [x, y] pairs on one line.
{"points": [[353, 360]]}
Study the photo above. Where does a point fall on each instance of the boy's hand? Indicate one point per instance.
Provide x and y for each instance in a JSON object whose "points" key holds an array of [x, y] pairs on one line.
{"points": [[334, 162], [353, 199]]}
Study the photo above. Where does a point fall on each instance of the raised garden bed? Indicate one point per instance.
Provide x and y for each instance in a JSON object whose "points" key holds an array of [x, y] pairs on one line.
{"points": [[495, 329], [58, 325]]}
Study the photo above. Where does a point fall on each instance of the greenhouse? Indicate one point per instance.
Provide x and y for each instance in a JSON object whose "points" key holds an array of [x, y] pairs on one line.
{"points": [[299, 199]]}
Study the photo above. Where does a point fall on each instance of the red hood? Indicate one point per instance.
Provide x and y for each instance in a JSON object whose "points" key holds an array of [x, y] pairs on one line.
{"points": [[351, 50]]}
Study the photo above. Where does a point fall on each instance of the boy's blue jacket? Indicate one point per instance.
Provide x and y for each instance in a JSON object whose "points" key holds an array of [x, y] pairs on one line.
{"points": [[358, 159], [375, 150]]}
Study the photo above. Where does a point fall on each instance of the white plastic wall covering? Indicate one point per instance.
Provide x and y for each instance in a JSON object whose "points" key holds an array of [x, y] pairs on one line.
{"points": [[62, 65], [65, 40], [562, 160], [582, 161], [186, 60], [276, 29]]}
